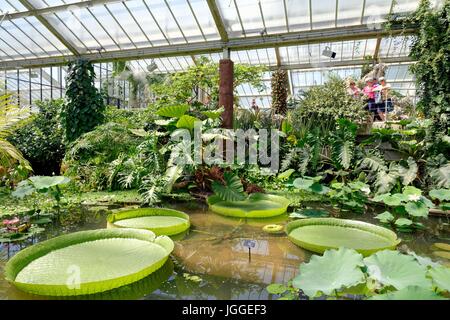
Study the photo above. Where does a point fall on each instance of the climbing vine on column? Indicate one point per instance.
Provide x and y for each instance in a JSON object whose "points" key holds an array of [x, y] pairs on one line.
{"points": [[280, 83], [84, 106]]}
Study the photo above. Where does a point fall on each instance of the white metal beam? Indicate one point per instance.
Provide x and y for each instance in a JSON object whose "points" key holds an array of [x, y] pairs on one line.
{"points": [[255, 42]]}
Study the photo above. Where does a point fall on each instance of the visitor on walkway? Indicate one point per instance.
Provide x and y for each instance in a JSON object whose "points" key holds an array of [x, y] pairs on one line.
{"points": [[353, 90], [254, 105]]}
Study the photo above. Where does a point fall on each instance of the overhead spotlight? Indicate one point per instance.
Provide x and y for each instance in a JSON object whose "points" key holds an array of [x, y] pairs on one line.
{"points": [[263, 32], [327, 52], [34, 75], [152, 67]]}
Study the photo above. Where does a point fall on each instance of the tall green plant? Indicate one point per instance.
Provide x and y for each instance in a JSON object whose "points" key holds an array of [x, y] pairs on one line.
{"points": [[280, 85], [84, 108], [431, 51]]}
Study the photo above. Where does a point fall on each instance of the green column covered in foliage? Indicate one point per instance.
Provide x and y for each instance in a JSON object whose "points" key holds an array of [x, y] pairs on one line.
{"points": [[431, 50], [84, 108], [280, 83]]}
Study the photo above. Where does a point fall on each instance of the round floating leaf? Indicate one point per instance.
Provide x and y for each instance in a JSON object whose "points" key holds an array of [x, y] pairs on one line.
{"points": [[442, 246], [440, 194], [88, 262], [335, 270], [410, 293], [391, 268], [257, 205], [385, 217], [417, 209], [309, 213], [44, 182], [320, 234], [159, 220], [303, 184], [273, 228], [441, 277], [403, 222], [442, 254], [173, 111], [424, 261]]}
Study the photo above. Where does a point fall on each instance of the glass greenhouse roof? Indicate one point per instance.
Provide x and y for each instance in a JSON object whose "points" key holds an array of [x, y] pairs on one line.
{"points": [[291, 34]]}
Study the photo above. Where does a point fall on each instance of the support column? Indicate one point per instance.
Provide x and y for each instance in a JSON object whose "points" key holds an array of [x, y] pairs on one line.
{"points": [[226, 100]]}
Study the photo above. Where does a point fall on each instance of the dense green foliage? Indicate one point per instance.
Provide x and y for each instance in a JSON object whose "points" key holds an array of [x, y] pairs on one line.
{"points": [[327, 103], [41, 139], [280, 85], [431, 50], [84, 108], [343, 273]]}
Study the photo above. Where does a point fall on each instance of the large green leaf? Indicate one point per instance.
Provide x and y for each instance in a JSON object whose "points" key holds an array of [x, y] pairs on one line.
{"points": [[161, 221], [441, 176], [385, 217], [408, 174], [171, 176], [232, 190], [409, 293], [440, 194], [346, 154], [187, 122], [320, 234], [257, 205], [335, 270], [441, 277], [173, 111], [44, 182], [65, 265], [391, 268], [417, 209]]}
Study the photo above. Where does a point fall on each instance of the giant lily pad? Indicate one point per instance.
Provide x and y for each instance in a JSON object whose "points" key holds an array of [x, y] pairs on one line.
{"points": [[391, 268], [320, 234], [159, 220], [88, 262], [334, 270], [410, 293], [257, 205]]}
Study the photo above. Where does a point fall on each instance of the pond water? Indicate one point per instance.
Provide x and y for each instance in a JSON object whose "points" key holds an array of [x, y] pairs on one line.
{"points": [[213, 260]]}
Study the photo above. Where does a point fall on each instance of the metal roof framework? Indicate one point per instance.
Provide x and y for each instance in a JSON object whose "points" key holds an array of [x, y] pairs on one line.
{"points": [[289, 34]]}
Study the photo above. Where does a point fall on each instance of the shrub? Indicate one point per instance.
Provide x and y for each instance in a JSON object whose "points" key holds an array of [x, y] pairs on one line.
{"points": [[88, 158], [41, 139], [327, 103]]}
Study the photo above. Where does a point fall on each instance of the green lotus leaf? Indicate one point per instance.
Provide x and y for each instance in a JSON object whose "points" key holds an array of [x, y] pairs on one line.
{"points": [[385, 217], [44, 182], [424, 261], [403, 222], [159, 220], [412, 191], [335, 270], [257, 205], [276, 288], [173, 111], [187, 122], [381, 197], [391, 268], [23, 191], [409, 293], [395, 199], [440, 194], [320, 234], [417, 209], [303, 184], [441, 277], [63, 266], [309, 213]]}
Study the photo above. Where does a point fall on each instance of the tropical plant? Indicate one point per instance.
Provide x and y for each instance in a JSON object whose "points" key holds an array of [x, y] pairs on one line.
{"points": [[10, 117], [84, 109], [385, 275], [41, 139], [407, 209], [280, 85]]}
